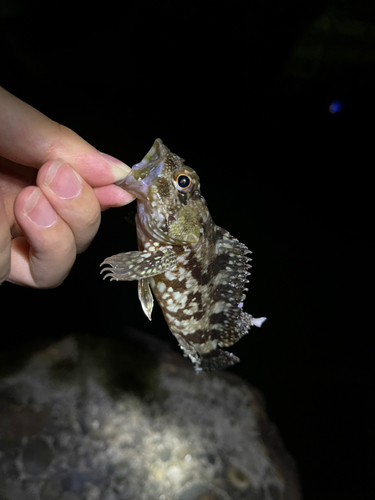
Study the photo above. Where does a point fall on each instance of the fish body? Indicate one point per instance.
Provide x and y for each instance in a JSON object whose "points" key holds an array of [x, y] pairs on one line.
{"points": [[196, 270]]}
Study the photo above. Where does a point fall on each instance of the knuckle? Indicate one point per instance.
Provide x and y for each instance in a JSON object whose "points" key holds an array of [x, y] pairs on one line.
{"points": [[85, 231], [88, 220], [62, 136]]}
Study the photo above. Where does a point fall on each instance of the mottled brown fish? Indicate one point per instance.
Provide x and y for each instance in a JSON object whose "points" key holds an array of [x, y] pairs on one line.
{"points": [[196, 270]]}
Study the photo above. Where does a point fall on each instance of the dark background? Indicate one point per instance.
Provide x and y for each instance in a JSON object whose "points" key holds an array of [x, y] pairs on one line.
{"points": [[242, 91]]}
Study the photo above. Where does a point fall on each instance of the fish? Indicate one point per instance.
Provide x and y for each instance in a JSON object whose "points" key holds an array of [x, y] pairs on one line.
{"points": [[196, 270]]}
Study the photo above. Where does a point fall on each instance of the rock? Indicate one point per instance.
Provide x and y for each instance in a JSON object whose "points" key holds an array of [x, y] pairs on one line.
{"points": [[94, 419], [36, 456]]}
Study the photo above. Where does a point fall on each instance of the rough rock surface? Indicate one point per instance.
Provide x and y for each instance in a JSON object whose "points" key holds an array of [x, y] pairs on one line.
{"points": [[98, 419]]}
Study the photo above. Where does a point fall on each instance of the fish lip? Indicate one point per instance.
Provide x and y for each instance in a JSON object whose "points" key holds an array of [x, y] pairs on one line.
{"points": [[139, 187], [145, 172]]}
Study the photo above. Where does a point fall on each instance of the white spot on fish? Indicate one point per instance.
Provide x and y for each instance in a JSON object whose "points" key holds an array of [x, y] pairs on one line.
{"points": [[169, 275]]}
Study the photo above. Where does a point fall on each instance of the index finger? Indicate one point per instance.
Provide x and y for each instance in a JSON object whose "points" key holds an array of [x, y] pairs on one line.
{"points": [[30, 138]]}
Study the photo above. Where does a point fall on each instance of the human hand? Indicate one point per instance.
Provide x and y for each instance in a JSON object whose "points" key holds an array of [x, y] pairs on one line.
{"points": [[53, 185]]}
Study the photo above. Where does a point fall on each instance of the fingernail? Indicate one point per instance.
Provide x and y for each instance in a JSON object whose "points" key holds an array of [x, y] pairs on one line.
{"points": [[39, 210], [63, 181], [119, 169]]}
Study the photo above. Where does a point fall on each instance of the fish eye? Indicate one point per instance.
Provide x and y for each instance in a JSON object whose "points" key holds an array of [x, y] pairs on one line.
{"points": [[183, 182]]}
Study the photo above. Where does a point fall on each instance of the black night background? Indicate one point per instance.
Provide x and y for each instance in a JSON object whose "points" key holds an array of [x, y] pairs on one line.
{"points": [[244, 92]]}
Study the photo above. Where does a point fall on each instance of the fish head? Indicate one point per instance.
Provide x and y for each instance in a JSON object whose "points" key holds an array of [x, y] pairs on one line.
{"points": [[171, 209]]}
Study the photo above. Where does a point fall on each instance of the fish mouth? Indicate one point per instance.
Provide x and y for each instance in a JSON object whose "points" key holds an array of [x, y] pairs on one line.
{"points": [[146, 171], [152, 160]]}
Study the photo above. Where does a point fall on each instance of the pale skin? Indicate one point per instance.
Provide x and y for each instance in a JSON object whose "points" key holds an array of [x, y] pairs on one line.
{"points": [[53, 186]]}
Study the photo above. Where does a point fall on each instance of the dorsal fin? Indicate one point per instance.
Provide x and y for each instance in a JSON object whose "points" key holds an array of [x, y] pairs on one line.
{"points": [[228, 322]]}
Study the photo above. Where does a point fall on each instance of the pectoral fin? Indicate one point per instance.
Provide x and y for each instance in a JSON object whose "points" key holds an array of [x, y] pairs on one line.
{"points": [[131, 266], [145, 296]]}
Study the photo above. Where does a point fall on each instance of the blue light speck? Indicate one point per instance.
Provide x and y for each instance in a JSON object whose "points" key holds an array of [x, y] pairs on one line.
{"points": [[335, 107]]}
